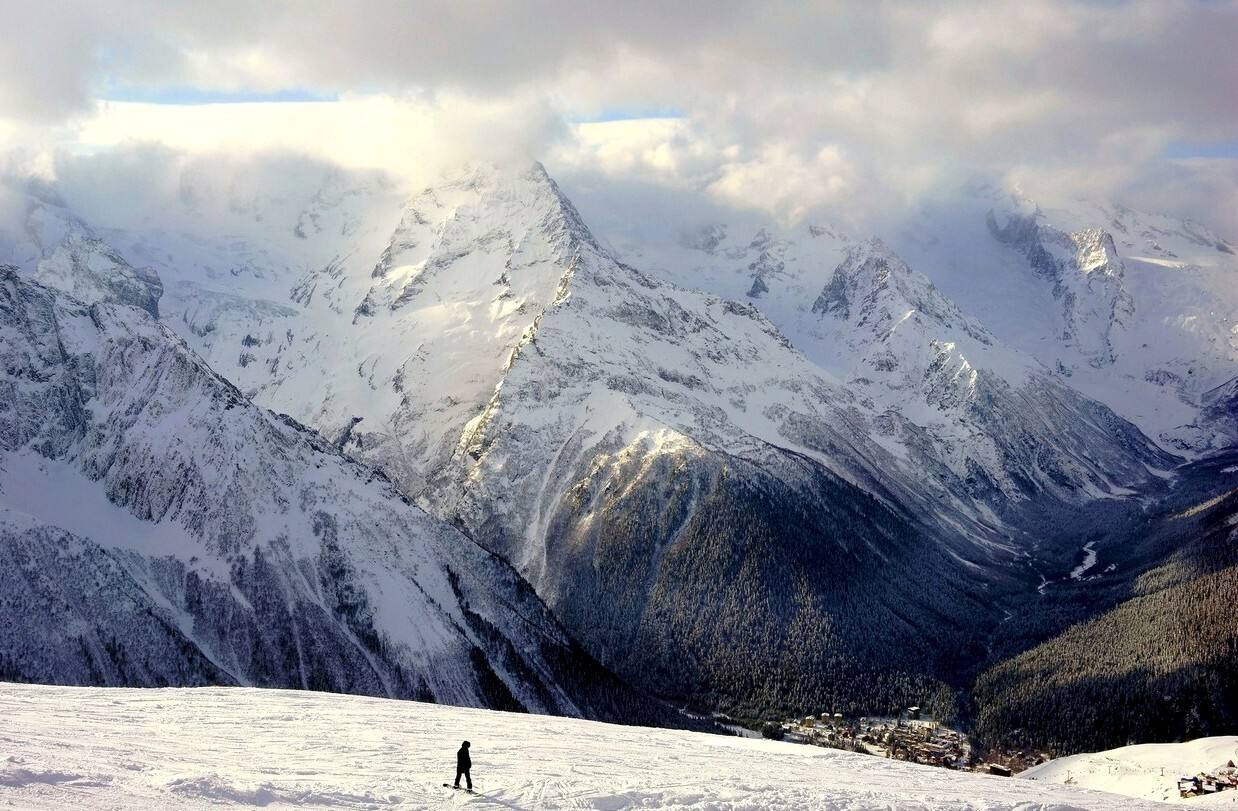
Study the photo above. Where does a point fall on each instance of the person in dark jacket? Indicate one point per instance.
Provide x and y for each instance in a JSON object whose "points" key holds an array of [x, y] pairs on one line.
{"points": [[463, 764]]}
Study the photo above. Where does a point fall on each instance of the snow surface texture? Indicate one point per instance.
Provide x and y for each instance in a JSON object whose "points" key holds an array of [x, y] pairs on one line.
{"points": [[100, 749], [1148, 771]]}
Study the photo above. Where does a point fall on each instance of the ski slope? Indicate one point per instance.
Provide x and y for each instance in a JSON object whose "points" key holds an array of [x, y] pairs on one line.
{"points": [[101, 748], [1147, 771]]}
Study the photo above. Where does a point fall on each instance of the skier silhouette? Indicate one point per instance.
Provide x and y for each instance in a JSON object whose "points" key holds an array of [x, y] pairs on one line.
{"points": [[463, 764]]}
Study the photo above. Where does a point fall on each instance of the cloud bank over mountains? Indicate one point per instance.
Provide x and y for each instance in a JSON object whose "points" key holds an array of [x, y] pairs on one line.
{"points": [[796, 110]]}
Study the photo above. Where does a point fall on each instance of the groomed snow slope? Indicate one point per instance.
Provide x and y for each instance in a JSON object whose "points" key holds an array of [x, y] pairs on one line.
{"points": [[100, 748], [1147, 771]]}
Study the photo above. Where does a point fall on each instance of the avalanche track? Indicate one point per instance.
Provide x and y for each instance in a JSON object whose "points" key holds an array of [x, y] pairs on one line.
{"points": [[102, 748]]}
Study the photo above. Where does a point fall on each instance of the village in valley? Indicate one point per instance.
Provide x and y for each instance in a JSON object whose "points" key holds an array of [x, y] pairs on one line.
{"points": [[912, 736]]}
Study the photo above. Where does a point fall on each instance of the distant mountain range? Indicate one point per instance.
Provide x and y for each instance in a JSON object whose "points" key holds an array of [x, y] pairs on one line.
{"points": [[755, 473]]}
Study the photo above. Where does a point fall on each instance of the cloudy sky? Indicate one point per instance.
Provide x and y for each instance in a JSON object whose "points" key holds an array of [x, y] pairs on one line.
{"points": [[791, 110]]}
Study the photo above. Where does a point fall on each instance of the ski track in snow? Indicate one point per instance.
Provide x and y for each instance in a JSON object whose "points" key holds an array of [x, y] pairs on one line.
{"points": [[102, 748]]}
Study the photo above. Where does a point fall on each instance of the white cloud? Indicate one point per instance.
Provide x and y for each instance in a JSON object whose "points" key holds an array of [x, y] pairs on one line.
{"points": [[411, 139], [787, 106], [787, 184]]}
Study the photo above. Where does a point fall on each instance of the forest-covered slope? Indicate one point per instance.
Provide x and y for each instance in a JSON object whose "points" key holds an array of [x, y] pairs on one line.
{"points": [[1160, 665]]}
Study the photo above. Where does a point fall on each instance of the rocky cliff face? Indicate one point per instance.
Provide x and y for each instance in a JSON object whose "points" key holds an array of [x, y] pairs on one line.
{"points": [[91, 270], [989, 428], [1131, 309], [64, 252], [994, 422], [1087, 278]]}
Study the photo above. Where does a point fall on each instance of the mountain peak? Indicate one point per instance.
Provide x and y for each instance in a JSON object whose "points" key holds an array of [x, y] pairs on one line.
{"points": [[91, 270], [872, 279], [1087, 276]]}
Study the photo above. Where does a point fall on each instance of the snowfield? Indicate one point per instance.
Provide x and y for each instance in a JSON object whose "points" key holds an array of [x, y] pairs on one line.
{"points": [[103, 748], [1147, 771]]}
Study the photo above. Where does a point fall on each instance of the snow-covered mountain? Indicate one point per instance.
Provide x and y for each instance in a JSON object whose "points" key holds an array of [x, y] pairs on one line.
{"points": [[1135, 310], [158, 528], [94, 748], [66, 253], [943, 392], [752, 471], [1087, 280], [499, 365]]}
